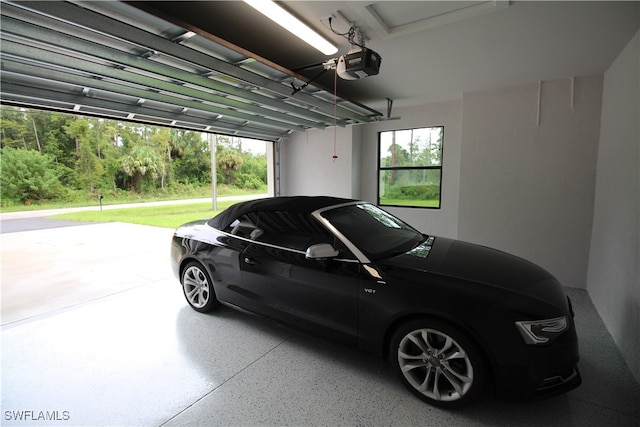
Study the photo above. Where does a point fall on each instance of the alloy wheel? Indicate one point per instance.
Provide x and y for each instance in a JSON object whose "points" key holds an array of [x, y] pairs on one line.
{"points": [[435, 365], [196, 287]]}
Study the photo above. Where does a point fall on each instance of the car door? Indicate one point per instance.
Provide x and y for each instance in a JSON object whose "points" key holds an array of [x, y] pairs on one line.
{"points": [[318, 295]]}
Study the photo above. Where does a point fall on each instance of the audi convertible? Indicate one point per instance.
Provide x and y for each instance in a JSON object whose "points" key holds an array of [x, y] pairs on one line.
{"points": [[452, 318]]}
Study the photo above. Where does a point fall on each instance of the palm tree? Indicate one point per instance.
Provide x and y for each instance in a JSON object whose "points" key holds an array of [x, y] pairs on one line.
{"points": [[140, 161]]}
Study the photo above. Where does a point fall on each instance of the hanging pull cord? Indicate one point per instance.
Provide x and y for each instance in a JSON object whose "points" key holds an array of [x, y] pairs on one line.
{"points": [[335, 114]]}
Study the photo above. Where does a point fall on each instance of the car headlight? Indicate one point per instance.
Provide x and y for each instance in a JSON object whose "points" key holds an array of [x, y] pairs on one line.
{"points": [[542, 331]]}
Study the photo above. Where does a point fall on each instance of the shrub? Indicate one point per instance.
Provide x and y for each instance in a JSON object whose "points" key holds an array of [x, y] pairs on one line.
{"points": [[248, 182], [414, 192], [424, 191], [27, 175]]}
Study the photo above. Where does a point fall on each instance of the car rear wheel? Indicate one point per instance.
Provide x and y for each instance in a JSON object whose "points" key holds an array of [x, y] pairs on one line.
{"points": [[438, 363], [198, 288]]}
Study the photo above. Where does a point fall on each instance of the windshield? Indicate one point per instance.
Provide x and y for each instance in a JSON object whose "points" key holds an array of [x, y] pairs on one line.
{"points": [[377, 233]]}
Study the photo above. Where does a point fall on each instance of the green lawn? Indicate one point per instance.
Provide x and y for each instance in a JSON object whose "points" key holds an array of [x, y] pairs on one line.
{"points": [[126, 197], [170, 216], [410, 202]]}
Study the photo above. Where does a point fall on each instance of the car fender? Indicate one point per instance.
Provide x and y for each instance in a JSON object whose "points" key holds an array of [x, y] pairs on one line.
{"points": [[402, 301]]}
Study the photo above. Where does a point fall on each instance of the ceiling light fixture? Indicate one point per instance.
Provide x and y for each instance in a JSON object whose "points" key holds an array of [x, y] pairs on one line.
{"points": [[292, 24]]}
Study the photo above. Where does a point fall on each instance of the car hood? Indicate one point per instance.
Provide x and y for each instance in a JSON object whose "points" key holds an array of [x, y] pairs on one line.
{"points": [[480, 265]]}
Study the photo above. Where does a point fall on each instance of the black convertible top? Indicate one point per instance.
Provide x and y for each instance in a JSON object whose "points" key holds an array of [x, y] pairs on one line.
{"points": [[301, 204]]}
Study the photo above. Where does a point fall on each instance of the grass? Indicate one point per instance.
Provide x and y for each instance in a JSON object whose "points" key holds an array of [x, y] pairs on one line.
{"points": [[410, 202], [79, 199], [170, 216]]}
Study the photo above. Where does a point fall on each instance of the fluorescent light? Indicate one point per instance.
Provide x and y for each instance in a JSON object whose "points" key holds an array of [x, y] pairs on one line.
{"points": [[292, 24]]}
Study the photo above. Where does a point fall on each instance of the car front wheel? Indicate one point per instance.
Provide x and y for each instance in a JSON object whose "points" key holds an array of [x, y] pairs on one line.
{"points": [[198, 288], [438, 363]]}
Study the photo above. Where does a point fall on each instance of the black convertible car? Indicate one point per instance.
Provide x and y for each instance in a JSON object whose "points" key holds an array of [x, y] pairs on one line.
{"points": [[451, 316]]}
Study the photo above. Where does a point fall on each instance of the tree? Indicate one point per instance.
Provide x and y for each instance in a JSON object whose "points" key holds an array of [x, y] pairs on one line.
{"points": [[229, 162], [107, 151], [91, 154], [15, 132], [57, 142], [88, 165], [140, 161], [191, 159], [253, 172], [162, 140]]}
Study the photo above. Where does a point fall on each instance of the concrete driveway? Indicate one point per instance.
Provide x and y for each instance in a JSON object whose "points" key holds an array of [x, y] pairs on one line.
{"points": [[67, 263], [48, 270]]}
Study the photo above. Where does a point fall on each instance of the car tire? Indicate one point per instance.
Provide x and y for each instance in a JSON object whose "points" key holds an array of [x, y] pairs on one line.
{"points": [[438, 363], [197, 287]]}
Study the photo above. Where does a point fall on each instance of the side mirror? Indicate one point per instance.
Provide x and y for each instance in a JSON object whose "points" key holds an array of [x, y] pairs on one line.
{"points": [[321, 250]]}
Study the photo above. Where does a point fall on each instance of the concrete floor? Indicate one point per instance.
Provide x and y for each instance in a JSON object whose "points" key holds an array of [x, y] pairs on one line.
{"points": [[95, 331]]}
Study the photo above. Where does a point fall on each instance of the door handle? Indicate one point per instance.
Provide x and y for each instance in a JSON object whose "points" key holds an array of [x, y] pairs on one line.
{"points": [[250, 261]]}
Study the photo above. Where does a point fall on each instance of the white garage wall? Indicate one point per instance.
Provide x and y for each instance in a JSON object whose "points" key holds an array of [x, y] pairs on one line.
{"points": [[309, 169], [614, 264], [527, 173]]}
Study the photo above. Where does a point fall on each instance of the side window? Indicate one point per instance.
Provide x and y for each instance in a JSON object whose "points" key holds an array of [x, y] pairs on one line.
{"points": [[410, 167], [244, 227], [292, 230]]}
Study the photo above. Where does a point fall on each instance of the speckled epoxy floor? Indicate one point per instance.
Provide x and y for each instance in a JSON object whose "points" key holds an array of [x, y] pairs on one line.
{"points": [[127, 350]]}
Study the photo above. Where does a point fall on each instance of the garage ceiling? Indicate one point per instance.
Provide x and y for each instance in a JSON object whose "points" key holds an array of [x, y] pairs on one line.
{"points": [[220, 66]]}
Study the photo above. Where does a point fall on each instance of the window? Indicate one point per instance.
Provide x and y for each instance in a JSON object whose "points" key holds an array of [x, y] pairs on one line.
{"points": [[291, 230], [373, 231], [410, 167]]}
